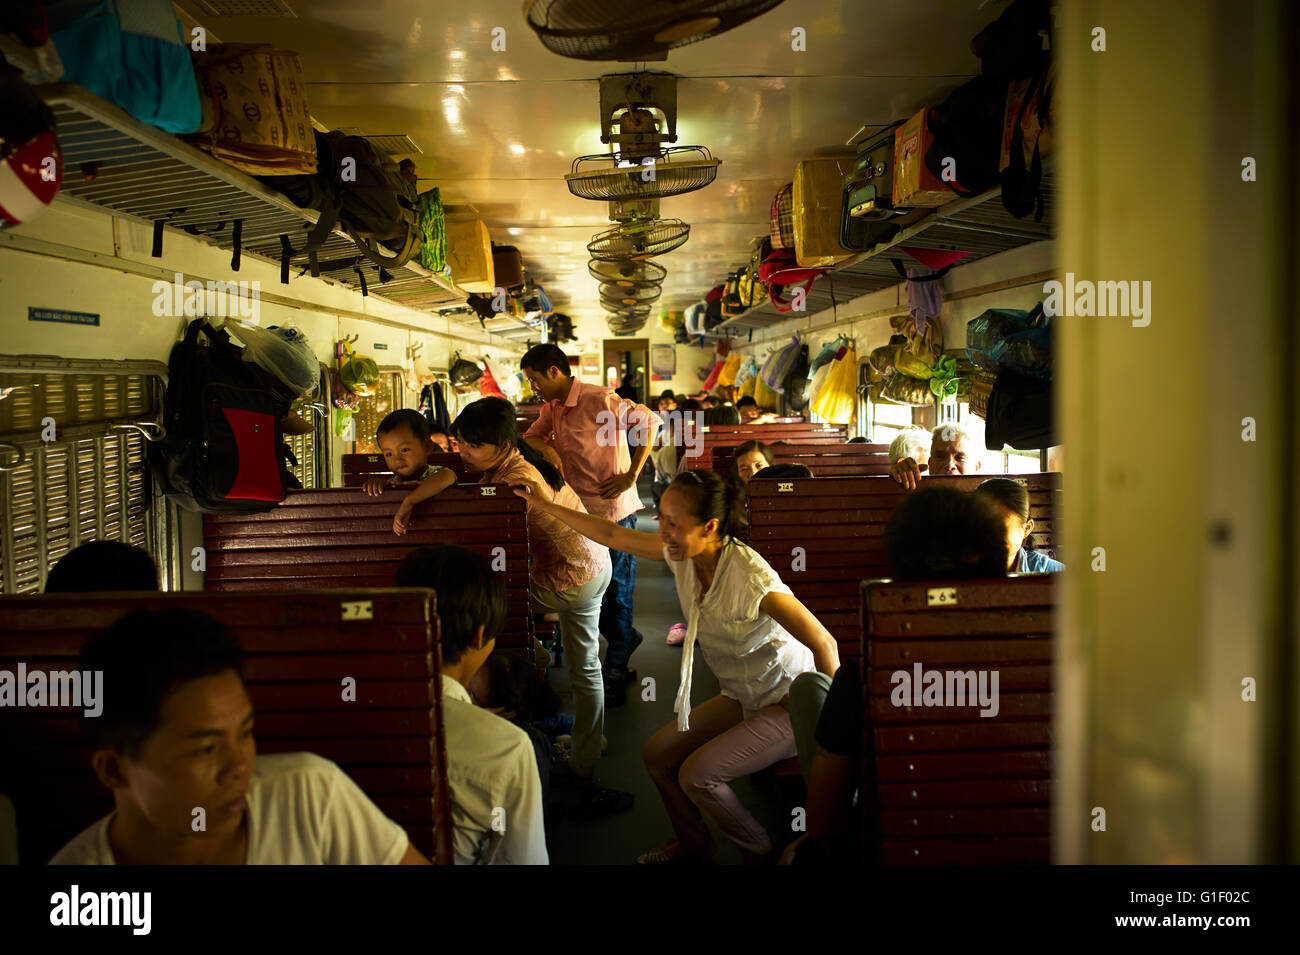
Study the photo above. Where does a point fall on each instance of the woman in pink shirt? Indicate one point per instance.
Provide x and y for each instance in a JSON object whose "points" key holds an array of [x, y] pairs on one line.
{"points": [[569, 573]]}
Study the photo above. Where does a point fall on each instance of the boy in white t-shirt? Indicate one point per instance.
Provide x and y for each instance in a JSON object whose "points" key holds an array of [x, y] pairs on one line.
{"points": [[176, 735]]}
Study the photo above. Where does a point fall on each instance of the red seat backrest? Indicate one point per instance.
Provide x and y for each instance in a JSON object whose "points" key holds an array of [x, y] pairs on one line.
{"points": [[824, 460], [943, 784], [298, 647], [342, 537], [824, 534], [358, 468]]}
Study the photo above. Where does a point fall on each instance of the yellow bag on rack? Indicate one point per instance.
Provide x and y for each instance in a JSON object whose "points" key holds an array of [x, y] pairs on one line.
{"points": [[838, 398], [747, 387], [728, 375], [764, 396]]}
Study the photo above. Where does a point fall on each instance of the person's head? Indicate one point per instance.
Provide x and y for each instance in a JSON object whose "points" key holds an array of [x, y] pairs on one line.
{"points": [[943, 532], [1011, 501], [708, 401], [403, 437], [952, 451], [689, 405], [471, 601], [748, 459], [438, 438], [911, 443], [486, 434], [724, 414], [748, 408], [547, 369], [176, 727], [698, 512], [786, 471], [100, 566], [856, 439], [667, 400]]}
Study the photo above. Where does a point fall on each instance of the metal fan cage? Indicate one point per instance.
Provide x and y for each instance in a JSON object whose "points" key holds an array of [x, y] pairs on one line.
{"points": [[627, 273], [633, 29], [677, 170], [629, 296], [638, 242]]}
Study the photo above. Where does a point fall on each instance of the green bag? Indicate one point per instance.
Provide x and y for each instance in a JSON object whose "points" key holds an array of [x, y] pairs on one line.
{"points": [[432, 225]]}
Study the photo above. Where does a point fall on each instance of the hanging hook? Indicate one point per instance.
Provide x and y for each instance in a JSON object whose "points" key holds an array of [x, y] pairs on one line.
{"points": [[149, 430], [22, 456]]}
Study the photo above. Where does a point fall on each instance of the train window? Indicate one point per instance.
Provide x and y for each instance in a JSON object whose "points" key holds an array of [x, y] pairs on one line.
{"points": [[372, 409], [74, 462], [310, 452]]}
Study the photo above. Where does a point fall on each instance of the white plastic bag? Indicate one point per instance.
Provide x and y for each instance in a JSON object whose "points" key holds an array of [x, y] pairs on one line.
{"points": [[506, 381], [283, 351]]}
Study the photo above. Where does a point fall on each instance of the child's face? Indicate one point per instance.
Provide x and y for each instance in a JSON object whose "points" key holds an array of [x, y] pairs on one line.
{"points": [[404, 453], [749, 464], [200, 756], [480, 457]]}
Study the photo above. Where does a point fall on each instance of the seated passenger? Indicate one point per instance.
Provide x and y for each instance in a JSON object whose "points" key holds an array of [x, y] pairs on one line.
{"points": [[667, 400], [1011, 500], [857, 439], [756, 637], [748, 409], [936, 533], [748, 459], [569, 574], [951, 452], [176, 733], [721, 414], [491, 764], [100, 566], [911, 443], [403, 437], [438, 438], [708, 401], [786, 471]]}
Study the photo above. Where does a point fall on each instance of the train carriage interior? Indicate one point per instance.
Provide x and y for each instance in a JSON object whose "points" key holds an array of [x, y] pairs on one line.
{"points": [[729, 432]]}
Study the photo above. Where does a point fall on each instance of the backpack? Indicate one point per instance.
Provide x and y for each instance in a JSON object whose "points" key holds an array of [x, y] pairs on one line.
{"points": [[224, 450], [1012, 45], [779, 270], [967, 127], [1029, 105], [376, 208], [1019, 413]]}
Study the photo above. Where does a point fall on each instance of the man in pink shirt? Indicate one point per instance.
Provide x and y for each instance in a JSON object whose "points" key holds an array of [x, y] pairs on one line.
{"points": [[587, 426]]}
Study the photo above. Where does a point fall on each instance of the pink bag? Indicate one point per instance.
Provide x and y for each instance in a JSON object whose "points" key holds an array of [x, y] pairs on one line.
{"points": [[779, 271]]}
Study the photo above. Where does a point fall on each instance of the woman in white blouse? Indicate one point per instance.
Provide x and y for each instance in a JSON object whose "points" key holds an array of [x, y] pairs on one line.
{"points": [[756, 637]]}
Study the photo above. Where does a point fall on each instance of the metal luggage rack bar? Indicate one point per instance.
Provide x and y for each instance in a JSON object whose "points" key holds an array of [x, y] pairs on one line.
{"points": [[113, 161], [979, 225]]}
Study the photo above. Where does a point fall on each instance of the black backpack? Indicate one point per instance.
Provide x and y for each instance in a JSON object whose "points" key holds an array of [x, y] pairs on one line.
{"points": [[967, 127], [1012, 45], [224, 450], [376, 209], [1019, 413]]}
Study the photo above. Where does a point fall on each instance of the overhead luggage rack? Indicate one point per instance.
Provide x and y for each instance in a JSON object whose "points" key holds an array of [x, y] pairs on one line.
{"points": [[979, 225], [115, 162]]}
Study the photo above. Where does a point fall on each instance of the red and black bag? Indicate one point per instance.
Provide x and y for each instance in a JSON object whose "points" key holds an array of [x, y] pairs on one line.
{"points": [[224, 450], [780, 272]]}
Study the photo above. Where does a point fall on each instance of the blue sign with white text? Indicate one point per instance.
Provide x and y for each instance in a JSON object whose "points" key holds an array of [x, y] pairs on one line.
{"points": [[59, 315]]}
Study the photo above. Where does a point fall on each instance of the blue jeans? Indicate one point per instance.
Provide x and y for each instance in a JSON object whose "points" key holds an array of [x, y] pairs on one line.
{"points": [[616, 607]]}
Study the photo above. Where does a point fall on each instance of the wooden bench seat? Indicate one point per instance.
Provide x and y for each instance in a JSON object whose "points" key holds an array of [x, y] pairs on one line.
{"points": [[730, 435], [359, 468], [825, 534], [298, 647], [943, 785], [824, 460], [342, 537]]}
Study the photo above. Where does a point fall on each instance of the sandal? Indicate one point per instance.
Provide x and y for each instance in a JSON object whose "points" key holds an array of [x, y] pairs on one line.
{"points": [[677, 635], [671, 853]]}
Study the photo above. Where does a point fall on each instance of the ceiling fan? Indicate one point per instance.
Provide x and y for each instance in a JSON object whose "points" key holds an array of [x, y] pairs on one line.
{"points": [[635, 29]]}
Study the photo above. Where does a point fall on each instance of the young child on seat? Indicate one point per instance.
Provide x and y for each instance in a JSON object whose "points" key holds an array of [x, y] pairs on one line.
{"points": [[404, 439]]}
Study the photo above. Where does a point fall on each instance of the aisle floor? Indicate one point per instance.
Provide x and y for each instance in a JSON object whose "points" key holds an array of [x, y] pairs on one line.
{"points": [[618, 839]]}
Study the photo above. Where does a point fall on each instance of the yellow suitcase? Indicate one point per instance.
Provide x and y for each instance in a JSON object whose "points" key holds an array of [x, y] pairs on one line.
{"points": [[818, 201], [469, 253]]}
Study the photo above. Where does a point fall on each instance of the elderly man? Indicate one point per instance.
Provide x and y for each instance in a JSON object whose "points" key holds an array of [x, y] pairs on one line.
{"points": [[951, 452]]}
